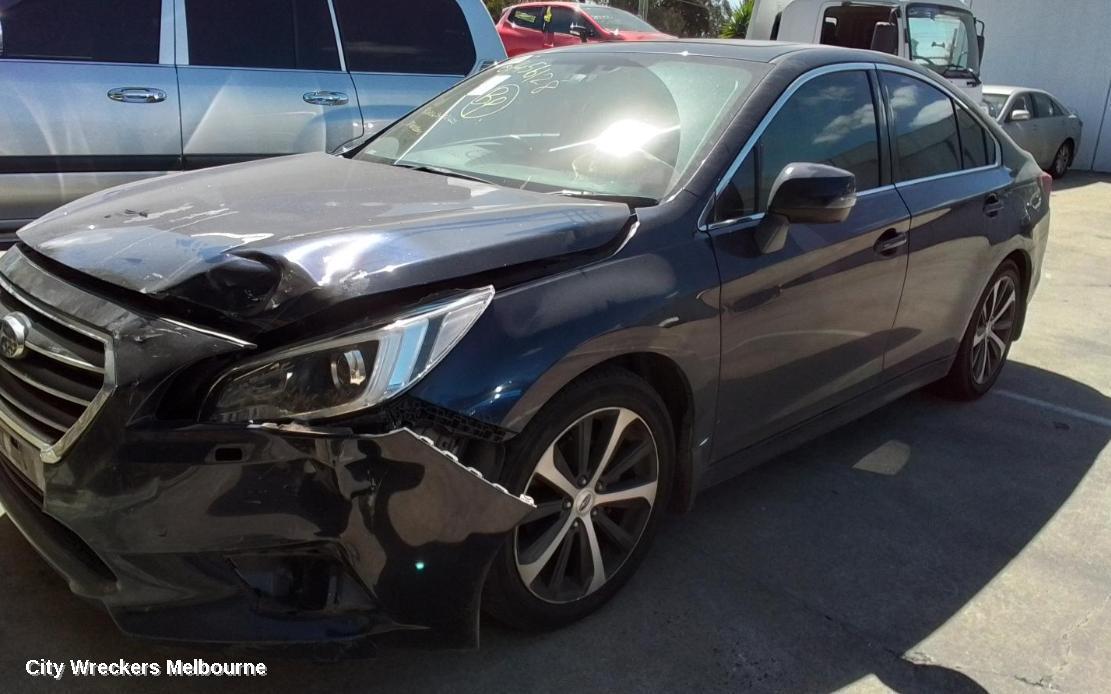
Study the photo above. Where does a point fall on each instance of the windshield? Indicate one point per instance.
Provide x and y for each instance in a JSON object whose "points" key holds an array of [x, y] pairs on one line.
{"points": [[579, 123], [943, 39], [613, 19], [993, 104]]}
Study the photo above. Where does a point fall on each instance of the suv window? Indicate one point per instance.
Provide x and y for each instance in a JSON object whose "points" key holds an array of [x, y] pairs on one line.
{"points": [[830, 120], [85, 30], [279, 34], [1045, 106], [428, 37], [530, 17], [926, 139], [976, 144]]}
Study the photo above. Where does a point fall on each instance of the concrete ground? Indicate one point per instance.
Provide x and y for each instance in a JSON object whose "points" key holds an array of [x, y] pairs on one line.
{"points": [[931, 547]]}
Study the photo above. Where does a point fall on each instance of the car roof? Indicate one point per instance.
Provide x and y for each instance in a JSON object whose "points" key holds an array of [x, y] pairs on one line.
{"points": [[742, 49]]}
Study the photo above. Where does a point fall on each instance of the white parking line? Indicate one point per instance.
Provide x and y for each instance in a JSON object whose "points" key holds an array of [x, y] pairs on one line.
{"points": [[1060, 409]]}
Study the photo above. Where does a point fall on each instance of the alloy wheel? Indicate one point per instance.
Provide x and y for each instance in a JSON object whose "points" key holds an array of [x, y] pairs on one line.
{"points": [[994, 329], [595, 490], [1061, 161]]}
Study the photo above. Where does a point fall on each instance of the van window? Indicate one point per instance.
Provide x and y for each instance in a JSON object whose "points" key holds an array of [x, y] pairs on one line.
{"points": [[418, 36], [84, 30], [926, 140], [278, 34], [976, 149]]}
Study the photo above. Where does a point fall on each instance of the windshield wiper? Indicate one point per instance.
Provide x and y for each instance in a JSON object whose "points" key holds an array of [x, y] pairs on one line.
{"points": [[630, 200], [424, 168]]}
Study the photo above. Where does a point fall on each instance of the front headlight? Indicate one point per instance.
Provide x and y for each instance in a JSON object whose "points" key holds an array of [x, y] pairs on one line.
{"points": [[345, 374]]}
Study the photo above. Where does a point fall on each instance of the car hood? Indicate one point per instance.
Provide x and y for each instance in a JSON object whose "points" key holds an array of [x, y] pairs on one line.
{"points": [[270, 242]]}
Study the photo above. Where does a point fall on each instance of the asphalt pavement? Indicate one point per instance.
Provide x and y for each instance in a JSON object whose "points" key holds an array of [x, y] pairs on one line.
{"points": [[931, 547]]}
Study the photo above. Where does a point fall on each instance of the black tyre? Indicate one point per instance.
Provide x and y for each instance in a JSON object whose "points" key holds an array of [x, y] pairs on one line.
{"points": [[1061, 161], [598, 462], [987, 341]]}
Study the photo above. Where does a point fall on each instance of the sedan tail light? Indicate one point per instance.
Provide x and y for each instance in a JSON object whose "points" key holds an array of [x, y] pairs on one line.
{"points": [[1047, 183]]}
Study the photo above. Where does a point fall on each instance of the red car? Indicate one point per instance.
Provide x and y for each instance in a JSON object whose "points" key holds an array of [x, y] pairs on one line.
{"points": [[536, 26]]}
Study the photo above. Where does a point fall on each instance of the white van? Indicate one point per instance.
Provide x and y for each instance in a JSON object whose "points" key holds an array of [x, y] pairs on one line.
{"points": [[941, 35]]}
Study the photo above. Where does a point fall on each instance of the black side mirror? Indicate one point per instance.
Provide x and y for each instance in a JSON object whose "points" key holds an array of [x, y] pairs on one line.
{"points": [[980, 45], [885, 38], [805, 193]]}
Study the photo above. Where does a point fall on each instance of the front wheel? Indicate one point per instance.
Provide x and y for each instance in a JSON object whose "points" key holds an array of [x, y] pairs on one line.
{"points": [[597, 461], [987, 340]]}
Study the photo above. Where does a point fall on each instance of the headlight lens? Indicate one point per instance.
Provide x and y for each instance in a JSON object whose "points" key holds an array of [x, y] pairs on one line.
{"points": [[345, 374]]}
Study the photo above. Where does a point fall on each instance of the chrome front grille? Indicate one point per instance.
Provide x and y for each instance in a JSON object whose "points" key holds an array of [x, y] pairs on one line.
{"points": [[52, 372]]}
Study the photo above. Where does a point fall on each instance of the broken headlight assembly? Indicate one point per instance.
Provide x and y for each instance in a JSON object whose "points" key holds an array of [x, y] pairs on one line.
{"points": [[341, 375]]}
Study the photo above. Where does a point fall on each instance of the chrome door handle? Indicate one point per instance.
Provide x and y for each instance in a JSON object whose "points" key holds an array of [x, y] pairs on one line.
{"points": [[325, 98], [137, 95]]}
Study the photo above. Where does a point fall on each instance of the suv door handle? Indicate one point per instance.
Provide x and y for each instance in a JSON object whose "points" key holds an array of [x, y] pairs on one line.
{"points": [[137, 95], [325, 98], [993, 205], [891, 241]]}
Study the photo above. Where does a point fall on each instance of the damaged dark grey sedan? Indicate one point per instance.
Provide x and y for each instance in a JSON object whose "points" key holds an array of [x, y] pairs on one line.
{"points": [[470, 363]]}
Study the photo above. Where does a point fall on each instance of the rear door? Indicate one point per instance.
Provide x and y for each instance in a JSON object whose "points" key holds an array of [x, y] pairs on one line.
{"points": [[401, 54], [261, 78], [88, 100], [947, 170]]}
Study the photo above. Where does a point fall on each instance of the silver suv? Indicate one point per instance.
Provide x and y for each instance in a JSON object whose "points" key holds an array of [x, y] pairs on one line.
{"points": [[94, 94]]}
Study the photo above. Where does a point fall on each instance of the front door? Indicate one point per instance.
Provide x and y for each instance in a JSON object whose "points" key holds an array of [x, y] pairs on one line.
{"points": [[805, 328], [261, 78]]}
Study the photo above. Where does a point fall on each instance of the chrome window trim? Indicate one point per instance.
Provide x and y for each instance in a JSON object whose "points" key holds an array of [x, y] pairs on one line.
{"points": [[339, 42], [48, 453], [800, 81]]}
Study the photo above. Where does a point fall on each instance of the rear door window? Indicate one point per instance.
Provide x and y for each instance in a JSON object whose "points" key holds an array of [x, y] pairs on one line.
{"points": [[277, 34], [82, 30], [1045, 106], [529, 17], [926, 139], [414, 37], [977, 147]]}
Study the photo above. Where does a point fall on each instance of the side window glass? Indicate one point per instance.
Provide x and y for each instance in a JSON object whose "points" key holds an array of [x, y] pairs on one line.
{"points": [[82, 30], [277, 34], [976, 147], [830, 120], [527, 17], [926, 140], [560, 23], [1044, 105], [428, 37]]}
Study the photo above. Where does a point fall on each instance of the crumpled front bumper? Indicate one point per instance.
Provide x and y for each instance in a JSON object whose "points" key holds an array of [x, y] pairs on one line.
{"points": [[249, 534]]}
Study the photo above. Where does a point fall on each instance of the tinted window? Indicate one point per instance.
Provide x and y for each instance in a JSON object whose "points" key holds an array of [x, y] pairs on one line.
{"points": [[561, 19], [739, 197], [926, 139], [416, 36], [282, 34], [1045, 106], [528, 17], [976, 146], [88, 30]]}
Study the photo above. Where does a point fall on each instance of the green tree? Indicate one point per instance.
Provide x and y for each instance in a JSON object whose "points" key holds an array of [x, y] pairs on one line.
{"points": [[736, 27], [496, 7]]}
